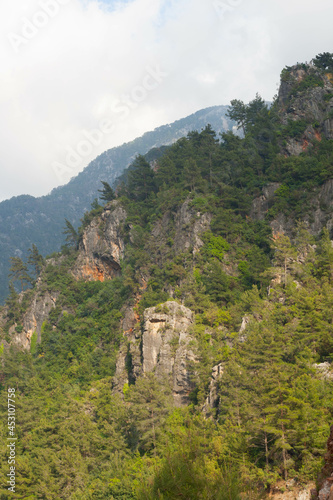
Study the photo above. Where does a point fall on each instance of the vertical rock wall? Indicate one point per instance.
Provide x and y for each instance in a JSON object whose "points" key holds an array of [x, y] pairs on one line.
{"points": [[164, 347], [102, 246]]}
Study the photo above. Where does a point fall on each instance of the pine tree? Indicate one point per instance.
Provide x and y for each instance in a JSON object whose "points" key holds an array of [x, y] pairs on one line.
{"points": [[325, 256], [141, 179], [324, 61], [36, 260], [13, 304], [237, 113], [151, 402], [284, 254], [107, 193], [19, 272], [72, 237], [166, 172], [191, 174]]}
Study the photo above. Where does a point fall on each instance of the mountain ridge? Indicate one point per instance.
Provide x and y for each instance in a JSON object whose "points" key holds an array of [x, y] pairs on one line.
{"points": [[25, 219], [181, 344]]}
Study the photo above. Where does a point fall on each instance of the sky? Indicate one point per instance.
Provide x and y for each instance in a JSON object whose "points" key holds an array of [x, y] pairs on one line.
{"points": [[78, 77]]}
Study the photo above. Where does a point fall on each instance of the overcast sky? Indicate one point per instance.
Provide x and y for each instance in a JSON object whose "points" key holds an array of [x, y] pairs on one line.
{"points": [[79, 77]]}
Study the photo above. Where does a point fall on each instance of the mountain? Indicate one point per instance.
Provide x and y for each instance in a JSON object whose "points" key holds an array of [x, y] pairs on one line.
{"points": [[181, 346], [25, 220]]}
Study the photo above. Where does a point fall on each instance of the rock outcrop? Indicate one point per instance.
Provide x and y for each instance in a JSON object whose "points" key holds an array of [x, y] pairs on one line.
{"points": [[212, 399], [325, 479], [306, 98], [164, 346], [313, 104], [261, 204], [324, 370], [319, 217], [189, 224], [42, 304], [291, 490], [102, 246]]}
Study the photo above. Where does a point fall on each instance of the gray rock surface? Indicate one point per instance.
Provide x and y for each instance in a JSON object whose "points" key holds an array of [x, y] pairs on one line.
{"points": [[320, 215], [189, 224], [312, 105], [212, 397], [102, 246], [37, 313], [164, 346], [261, 204]]}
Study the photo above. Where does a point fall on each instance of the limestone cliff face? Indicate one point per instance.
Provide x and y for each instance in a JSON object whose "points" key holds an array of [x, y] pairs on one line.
{"points": [[261, 204], [305, 94], [189, 224], [213, 397], [313, 104], [320, 216], [102, 246], [38, 312], [325, 479], [164, 346]]}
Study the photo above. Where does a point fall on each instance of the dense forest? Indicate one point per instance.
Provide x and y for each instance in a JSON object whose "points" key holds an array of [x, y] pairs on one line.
{"points": [[263, 312]]}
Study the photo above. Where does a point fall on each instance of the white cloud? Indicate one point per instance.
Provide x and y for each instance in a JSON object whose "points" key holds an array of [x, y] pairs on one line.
{"points": [[90, 56]]}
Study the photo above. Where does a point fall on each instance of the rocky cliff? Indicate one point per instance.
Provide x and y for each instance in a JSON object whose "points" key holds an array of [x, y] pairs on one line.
{"points": [[306, 94], [319, 216], [186, 227], [162, 345], [25, 219], [102, 246], [325, 479], [42, 303]]}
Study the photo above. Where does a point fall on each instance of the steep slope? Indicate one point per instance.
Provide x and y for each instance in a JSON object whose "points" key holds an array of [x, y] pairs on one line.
{"points": [[25, 220], [184, 349], [306, 105]]}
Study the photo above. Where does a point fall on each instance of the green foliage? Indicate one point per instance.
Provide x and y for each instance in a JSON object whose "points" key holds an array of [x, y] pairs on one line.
{"points": [[72, 237], [141, 179], [36, 260], [286, 75], [324, 61], [189, 236], [33, 343], [294, 129], [247, 116], [309, 82], [215, 245], [19, 272], [107, 193]]}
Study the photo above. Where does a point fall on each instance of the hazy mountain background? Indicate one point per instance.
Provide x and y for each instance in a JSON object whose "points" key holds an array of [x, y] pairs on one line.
{"points": [[25, 220]]}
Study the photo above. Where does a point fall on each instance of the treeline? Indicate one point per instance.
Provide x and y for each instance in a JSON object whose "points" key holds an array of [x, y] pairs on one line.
{"points": [[78, 440]]}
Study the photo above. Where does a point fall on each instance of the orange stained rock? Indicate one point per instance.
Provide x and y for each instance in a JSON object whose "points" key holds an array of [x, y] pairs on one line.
{"points": [[93, 272], [330, 77], [318, 136], [305, 145], [277, 235]]}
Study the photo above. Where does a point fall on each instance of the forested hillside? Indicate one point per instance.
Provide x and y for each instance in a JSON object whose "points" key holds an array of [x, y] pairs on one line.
{"points": [[25, 220], [180, 345]]}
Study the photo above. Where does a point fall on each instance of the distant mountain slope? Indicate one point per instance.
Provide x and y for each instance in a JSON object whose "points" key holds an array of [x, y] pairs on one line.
{"points": [[25, 220]]}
